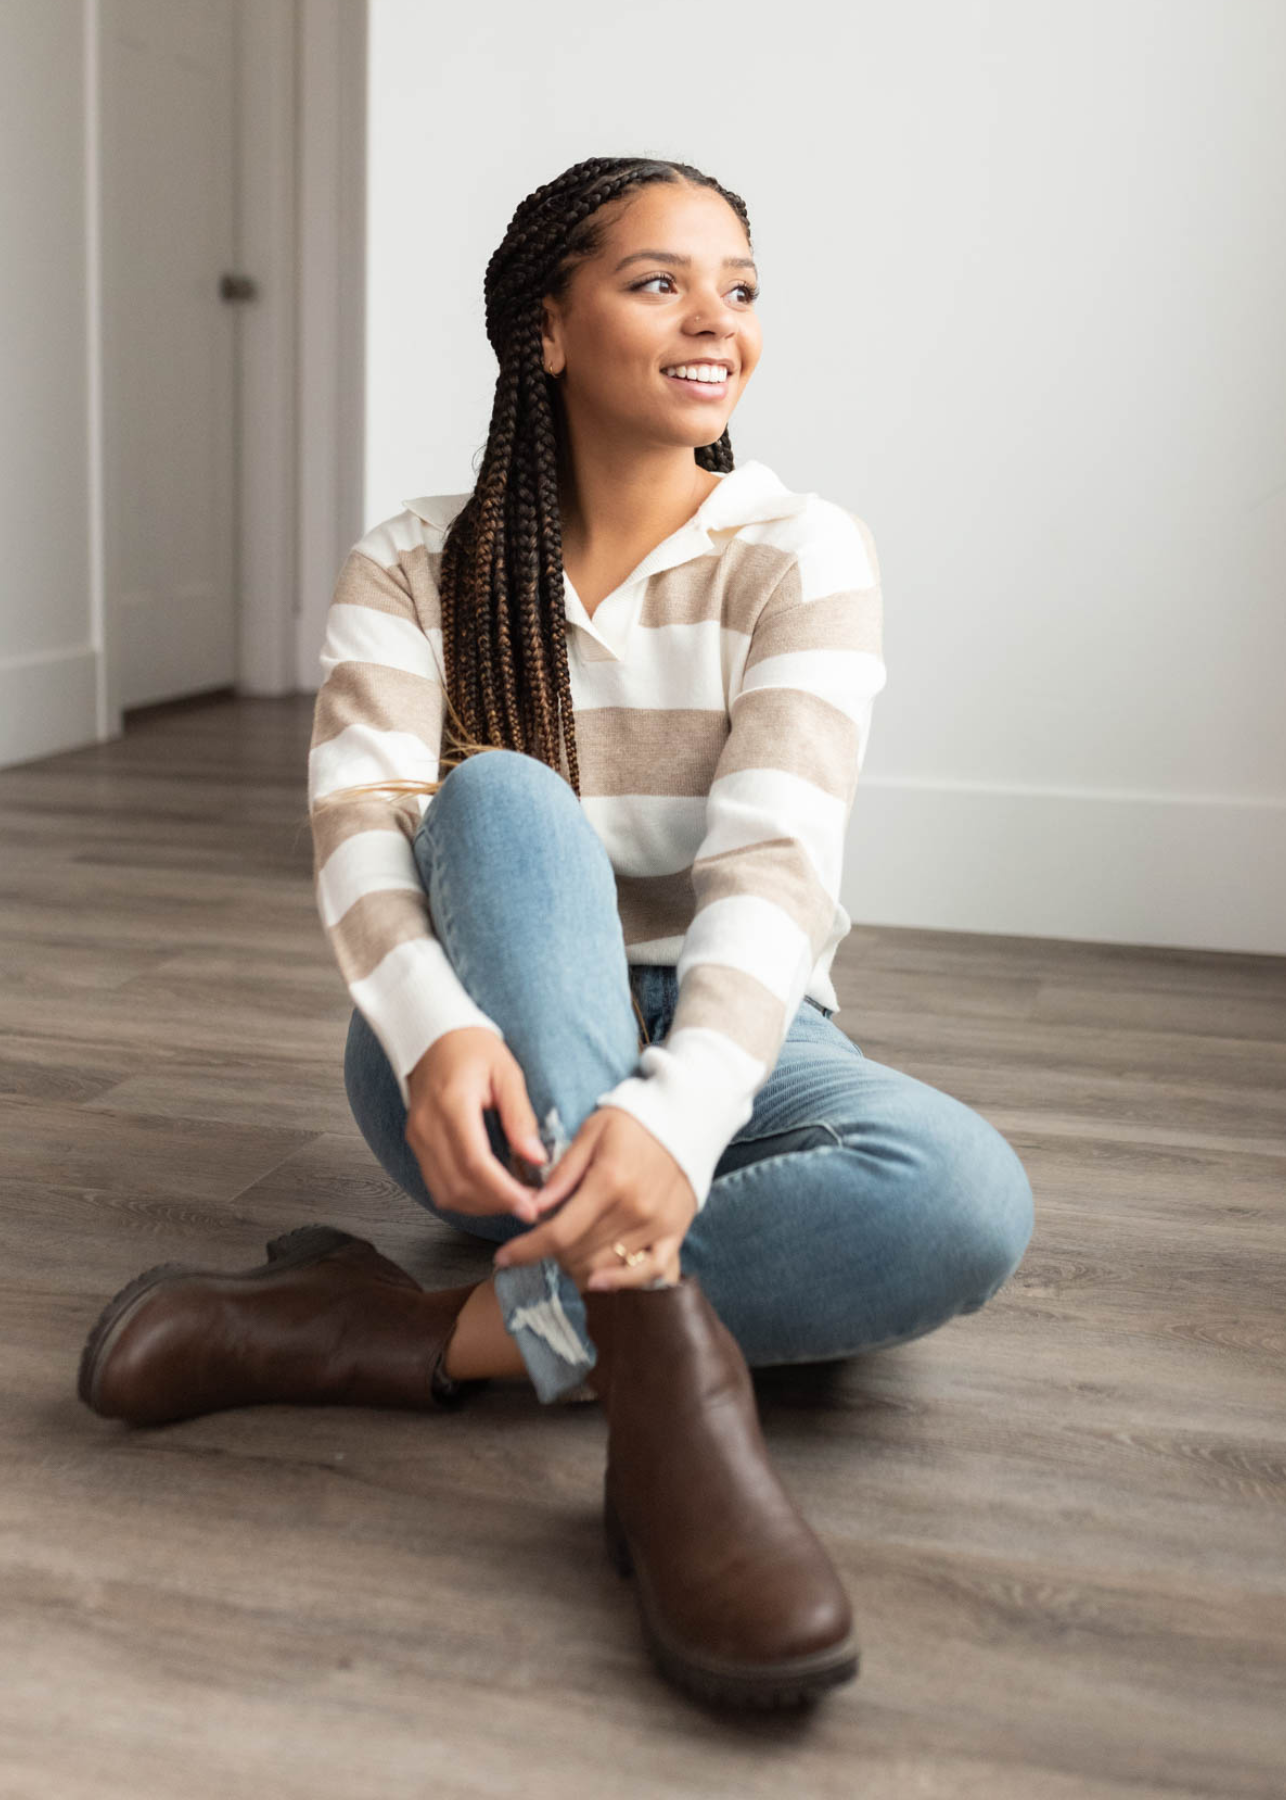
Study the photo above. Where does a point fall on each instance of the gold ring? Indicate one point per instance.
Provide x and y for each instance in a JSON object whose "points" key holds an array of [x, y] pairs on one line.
{"points": [[631, 1257]]}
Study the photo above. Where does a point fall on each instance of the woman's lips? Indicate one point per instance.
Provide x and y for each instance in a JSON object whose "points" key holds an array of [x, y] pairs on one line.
{"points": [[700, 390]]}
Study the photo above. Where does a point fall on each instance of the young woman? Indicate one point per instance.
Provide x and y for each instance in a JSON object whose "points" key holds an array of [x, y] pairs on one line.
{"points": [[584, 759]]}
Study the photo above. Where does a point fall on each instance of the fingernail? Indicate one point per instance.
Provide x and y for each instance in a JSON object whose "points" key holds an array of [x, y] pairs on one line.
{"points": [[536, 1151]]}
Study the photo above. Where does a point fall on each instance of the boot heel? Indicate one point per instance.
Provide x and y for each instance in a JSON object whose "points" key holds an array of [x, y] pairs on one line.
{"points": [[618, 1549], [308, 1240]]}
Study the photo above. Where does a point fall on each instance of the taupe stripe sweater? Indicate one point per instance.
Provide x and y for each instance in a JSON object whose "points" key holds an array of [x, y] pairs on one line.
{"points": [[722, 699]]}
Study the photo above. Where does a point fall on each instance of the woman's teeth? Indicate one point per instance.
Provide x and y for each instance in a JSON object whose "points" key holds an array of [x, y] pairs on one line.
{"points": [[711, 372]]}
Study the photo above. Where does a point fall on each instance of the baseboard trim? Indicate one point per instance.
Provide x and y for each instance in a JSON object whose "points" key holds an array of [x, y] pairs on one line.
{"points": [[48, 703], [1182, 873]]}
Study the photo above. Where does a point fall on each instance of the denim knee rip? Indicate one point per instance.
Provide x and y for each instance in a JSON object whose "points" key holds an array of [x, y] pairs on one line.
{"points": [[543, 1309], [541, 1306]]}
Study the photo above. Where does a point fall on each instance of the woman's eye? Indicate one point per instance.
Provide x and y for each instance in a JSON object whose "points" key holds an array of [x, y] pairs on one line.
{"points": [[746, 287]]}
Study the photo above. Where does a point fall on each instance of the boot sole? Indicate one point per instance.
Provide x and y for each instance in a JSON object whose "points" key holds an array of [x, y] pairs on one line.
{"points": [[309, 1243], [795, 1681]]}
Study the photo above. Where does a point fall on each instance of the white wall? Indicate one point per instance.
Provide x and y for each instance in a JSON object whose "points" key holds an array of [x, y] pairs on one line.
{"points": [[50, 636], [1041, 248]]}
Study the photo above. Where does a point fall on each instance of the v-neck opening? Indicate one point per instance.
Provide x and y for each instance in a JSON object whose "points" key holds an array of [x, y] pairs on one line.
{"points": [[687, 525], [750, 494], [639, 573]]}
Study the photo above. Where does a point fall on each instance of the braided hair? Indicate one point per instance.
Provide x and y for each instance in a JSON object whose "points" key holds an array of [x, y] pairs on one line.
{"points": [[500, 578]]}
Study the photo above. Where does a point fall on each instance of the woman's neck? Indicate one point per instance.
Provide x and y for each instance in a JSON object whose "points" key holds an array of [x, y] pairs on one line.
{"points": [[617, 509]]}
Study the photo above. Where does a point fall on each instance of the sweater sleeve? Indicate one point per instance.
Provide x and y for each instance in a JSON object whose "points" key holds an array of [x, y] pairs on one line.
{"points": [[767, 873], [378, 717]]}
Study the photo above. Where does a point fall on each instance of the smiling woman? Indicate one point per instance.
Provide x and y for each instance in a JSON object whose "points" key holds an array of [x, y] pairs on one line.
{"points": [[583, 764], [651, 341], [711, 374]]}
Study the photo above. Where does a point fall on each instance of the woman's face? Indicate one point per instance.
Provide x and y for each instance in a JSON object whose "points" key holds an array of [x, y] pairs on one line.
{"points": [[672, 286]]}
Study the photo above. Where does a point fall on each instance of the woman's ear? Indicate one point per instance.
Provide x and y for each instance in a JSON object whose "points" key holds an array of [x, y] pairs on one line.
{"points": [[551, 349]]}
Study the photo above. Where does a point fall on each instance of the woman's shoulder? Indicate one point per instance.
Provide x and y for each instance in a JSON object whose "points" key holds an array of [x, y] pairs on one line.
{"points": [[849, 529], [421, 525], [820, 529], [436, 511]]}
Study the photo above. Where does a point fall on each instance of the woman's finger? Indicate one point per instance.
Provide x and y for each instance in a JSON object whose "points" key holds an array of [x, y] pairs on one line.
{"points": [[491, 1188], [569, 1168], [613, 1273], [611, 1224], [571, 1222]]}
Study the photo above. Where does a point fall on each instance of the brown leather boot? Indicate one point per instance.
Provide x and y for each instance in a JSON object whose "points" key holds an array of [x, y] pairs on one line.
{"points": [[739, 1601], [325, 1321]]}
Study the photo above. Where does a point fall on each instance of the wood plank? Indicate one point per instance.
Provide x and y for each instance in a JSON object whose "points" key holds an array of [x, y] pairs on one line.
{"points": [[1060, 1518]]}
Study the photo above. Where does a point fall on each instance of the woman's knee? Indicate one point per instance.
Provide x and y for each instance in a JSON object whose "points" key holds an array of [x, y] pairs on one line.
{"points": [[499, 803], [500, 774], [960, 1190], [988, 1200]]}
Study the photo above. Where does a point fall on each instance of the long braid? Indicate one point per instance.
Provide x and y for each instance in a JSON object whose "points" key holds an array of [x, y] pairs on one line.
{"points": [[501, 575], [501, 584]]}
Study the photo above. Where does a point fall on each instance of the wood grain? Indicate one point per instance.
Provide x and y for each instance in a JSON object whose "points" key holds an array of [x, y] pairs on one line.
{"points": [[1061, 1518]]}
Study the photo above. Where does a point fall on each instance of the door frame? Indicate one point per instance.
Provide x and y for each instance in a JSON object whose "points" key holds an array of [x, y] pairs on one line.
{"points": [[331, 61], [300, 382]]}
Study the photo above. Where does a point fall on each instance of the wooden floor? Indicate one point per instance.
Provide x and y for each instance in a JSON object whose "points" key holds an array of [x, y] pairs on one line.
{"points": [[1061, 1518]]}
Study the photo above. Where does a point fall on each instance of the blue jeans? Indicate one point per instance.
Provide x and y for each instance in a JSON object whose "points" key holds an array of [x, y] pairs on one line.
{"points": [[858, 1207]]}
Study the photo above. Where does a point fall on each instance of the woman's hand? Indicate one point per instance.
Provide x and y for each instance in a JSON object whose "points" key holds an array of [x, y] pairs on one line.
{"points": [[460, 1074], [625, 1188]]}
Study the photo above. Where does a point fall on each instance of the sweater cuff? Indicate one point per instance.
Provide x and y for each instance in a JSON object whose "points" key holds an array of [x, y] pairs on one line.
{"points": [[411, 1000], [695, 1093]]}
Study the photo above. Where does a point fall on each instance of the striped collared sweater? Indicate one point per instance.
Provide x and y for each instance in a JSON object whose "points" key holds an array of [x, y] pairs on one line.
{"points": [[722, 697]]}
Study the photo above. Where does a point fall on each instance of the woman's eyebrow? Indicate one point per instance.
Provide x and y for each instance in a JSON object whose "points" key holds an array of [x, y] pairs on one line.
{"points": [[729, 262]]}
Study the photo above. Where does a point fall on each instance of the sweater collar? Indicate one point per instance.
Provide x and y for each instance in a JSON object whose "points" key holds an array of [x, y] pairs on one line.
{"points": [[747, 495]]}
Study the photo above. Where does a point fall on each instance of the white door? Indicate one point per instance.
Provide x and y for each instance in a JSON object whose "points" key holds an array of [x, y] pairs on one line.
{"points": [[167, 86]]}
